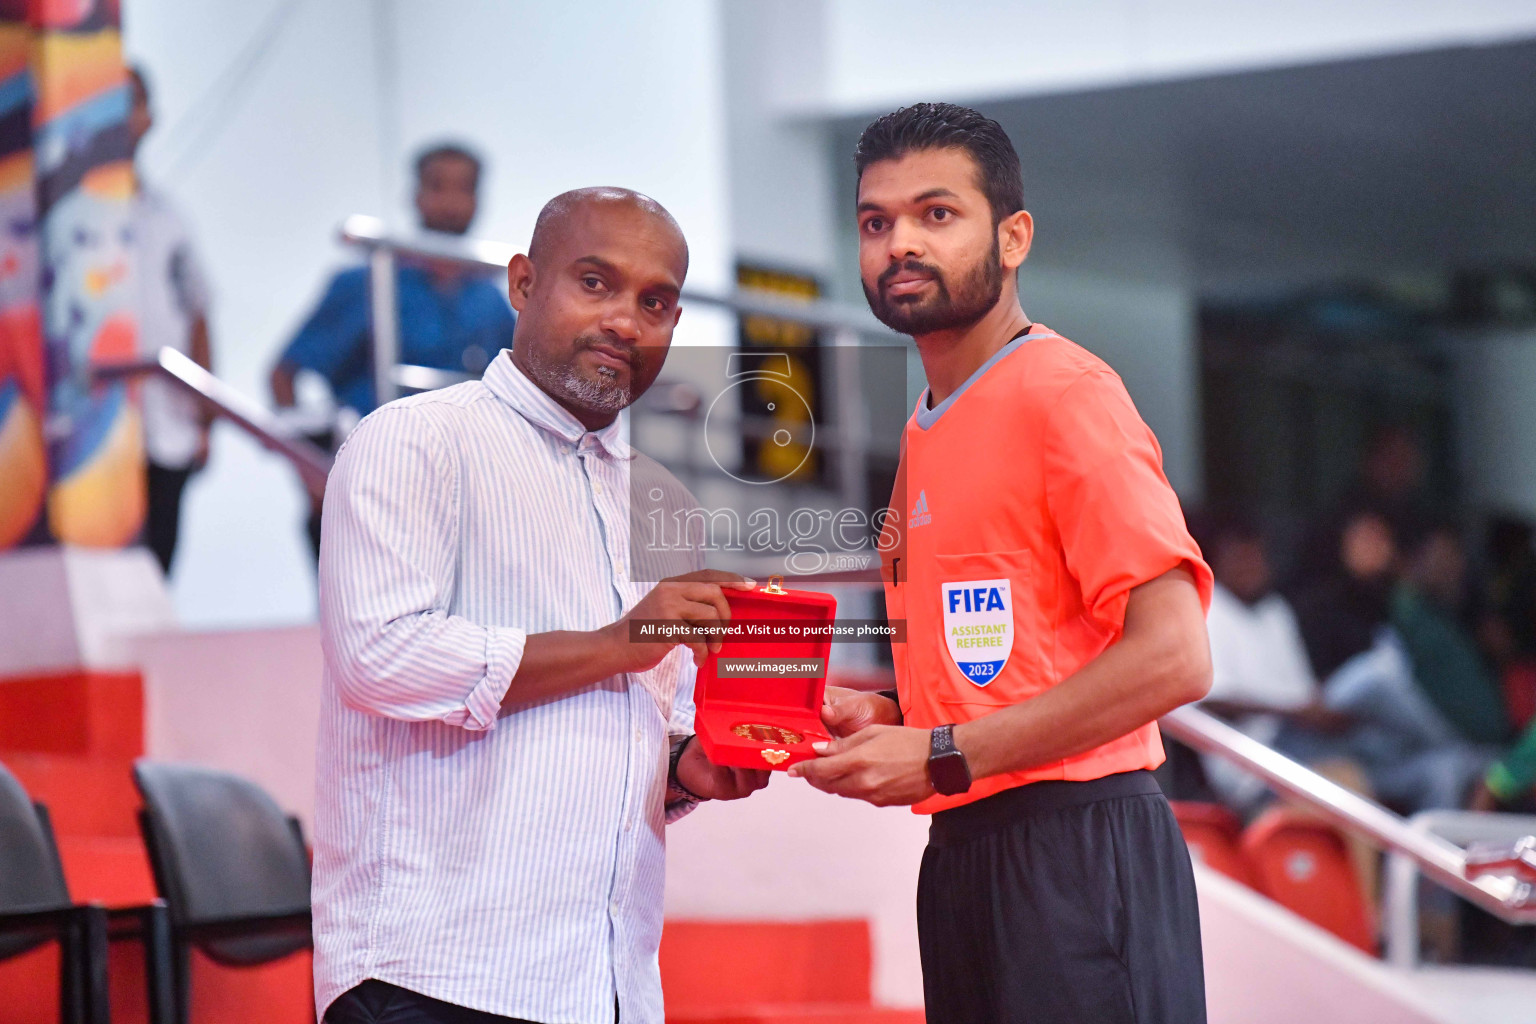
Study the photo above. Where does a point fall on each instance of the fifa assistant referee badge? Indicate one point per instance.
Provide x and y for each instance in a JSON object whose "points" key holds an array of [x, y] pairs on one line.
{"points": [[947, 767]]}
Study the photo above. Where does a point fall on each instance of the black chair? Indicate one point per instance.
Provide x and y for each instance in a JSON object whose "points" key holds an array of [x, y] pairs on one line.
{"points": [[35, 907], [231, 867]]}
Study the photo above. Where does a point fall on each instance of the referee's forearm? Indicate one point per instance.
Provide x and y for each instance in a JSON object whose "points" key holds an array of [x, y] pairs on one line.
{"points": [[1162, 661], [1083, 712]]}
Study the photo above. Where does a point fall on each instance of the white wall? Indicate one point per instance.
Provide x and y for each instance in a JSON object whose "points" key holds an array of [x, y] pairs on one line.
{"points": [[783, 193], [885, 52], [557, 96], [562, 96]]}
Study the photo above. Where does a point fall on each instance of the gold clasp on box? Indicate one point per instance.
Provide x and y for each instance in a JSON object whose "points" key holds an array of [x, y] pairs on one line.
{"points": [[775, 585]]}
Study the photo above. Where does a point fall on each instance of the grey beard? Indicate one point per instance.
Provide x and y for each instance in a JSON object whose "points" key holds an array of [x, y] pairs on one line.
{"points": [[560, 380]]}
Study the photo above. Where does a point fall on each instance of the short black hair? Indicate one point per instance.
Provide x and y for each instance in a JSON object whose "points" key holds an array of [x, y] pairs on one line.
{"points": [[949, 126], [456, 150]]}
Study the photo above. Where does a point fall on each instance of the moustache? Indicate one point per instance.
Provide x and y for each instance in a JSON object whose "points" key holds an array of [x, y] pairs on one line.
{"points": [[587, 342], [910, 267]]}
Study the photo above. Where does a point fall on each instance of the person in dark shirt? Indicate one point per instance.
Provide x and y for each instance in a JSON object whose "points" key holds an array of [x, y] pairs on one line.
{"points": [[1450, 669], [449, 318], [1340, 613], [1389, 484]]}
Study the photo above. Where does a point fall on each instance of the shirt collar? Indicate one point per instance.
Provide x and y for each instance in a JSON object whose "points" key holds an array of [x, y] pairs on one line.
{"points": [[508, 383]]}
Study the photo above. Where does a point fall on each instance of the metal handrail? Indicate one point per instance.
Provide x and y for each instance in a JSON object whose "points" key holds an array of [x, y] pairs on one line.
{"points": [[369, 233], [311, 461], [1505, 895]]}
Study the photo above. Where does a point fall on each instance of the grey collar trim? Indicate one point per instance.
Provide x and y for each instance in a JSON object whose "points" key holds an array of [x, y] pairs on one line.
{"points": [[927, 417]]}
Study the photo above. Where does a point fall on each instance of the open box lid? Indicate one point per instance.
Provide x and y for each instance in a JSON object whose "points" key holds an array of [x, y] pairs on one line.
{"points": [[747, 681]]}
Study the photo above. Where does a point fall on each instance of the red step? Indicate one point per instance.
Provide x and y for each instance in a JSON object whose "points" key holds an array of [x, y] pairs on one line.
{"points": [[803, 1015], [718, 966], [81, 713]]}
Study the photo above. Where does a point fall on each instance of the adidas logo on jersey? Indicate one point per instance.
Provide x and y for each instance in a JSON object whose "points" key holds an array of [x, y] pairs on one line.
{"points": [[920, 514]]}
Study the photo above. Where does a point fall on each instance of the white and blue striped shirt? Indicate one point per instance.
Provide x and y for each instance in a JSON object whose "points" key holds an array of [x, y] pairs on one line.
{"points": [[509, 861]]}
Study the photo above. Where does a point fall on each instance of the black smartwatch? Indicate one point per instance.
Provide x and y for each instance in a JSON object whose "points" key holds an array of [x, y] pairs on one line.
{"points": [[946, 764]]}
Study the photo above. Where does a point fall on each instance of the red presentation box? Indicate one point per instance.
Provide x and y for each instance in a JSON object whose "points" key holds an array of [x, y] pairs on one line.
{"points": [[755, 717]]}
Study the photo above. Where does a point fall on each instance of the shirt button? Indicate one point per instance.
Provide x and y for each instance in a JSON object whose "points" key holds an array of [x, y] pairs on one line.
{"points": [[597, 486], [639, 737]]}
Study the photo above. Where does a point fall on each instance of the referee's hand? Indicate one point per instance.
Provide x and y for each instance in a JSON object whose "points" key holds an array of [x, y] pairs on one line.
{"points": [[886, 765], [845, 712]]}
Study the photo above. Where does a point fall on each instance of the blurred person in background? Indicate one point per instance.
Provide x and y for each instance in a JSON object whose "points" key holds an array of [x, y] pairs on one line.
{"points": [[1392, 476], [172, 313], [1508, 633], [1388, 484], [1427, 608], [1341, 611], [1260, 674], [499, 758], [1511, 590], [1510, 782], [1363, 628], [449, 316], [1507, 628]]}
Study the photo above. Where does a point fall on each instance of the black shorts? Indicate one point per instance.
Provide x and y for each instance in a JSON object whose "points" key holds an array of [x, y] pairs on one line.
{"points": [[1070, 902]]}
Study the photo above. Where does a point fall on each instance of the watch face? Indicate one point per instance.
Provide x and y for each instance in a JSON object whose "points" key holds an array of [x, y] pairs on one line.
{"points": [[949, 773]]}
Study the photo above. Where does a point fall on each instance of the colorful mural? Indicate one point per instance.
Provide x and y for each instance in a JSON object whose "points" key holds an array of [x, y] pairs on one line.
{"points": [[23, 400], [84, 186]]}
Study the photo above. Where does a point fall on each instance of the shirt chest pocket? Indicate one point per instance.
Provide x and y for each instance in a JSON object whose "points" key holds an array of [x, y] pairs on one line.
{"points": [[977, 633]]}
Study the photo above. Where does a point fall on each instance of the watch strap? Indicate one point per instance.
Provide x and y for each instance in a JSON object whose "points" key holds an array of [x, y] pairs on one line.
{"points": [[676, 791], [942, 742], [947, 768]]}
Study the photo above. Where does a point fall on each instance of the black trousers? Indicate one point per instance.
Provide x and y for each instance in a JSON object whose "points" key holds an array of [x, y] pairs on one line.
{"points": [[378, 1002], [1061, 902], [162, 519]]}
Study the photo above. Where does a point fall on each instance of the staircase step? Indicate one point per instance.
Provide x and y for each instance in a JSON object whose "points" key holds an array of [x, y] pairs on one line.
{"points": [[709, 965], [98, 714], [815, 1014]]}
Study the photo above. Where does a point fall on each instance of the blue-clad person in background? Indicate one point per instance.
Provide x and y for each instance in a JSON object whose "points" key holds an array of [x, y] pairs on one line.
{"points": [[449, 318]]}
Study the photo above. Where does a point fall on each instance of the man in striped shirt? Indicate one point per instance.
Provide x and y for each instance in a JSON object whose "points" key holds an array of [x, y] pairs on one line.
{"points": [[497, 759]]}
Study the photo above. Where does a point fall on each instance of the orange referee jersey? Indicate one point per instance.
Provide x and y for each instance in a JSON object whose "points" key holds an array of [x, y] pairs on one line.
{"points": [[1034, 501]]}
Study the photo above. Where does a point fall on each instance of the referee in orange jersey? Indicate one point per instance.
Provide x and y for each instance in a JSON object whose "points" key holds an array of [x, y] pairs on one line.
{"points": [[1055, 607]]}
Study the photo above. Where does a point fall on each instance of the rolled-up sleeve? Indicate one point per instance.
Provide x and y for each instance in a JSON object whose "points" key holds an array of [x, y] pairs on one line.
{"points": [[390, 538]]}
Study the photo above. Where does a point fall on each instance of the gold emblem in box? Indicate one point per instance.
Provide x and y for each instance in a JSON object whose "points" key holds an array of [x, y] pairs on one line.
{"points": [[768, 734]]}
